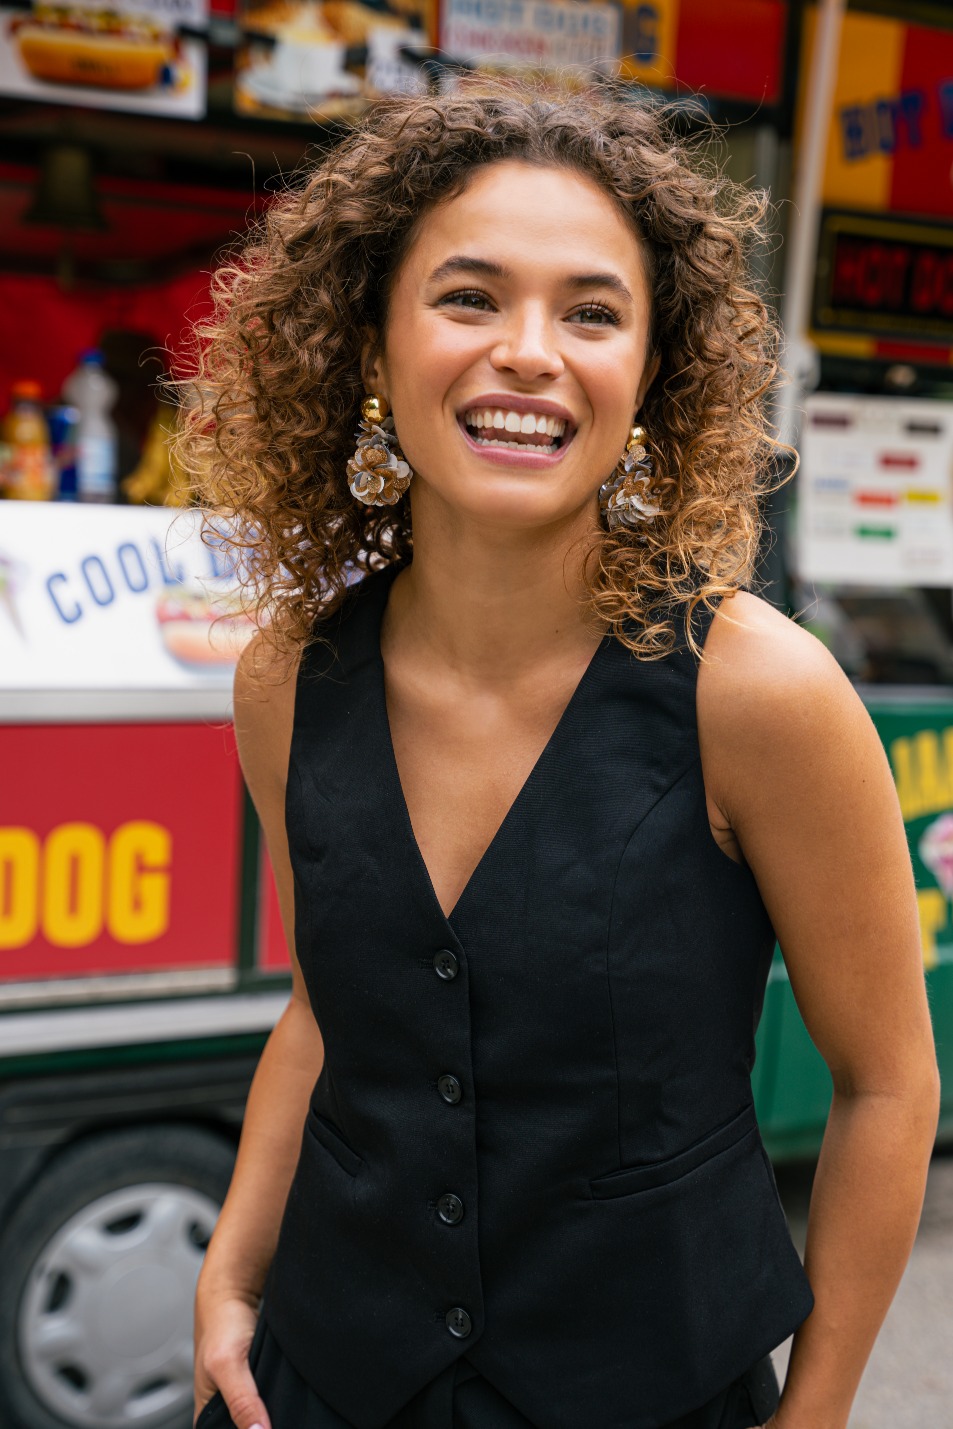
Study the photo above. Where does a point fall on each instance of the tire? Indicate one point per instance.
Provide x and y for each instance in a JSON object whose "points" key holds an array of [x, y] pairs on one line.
{"points": [[99, 1265]]}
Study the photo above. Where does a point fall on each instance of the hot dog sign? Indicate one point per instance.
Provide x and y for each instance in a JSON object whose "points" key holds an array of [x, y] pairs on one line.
{"points": [[115, 598], [125, 54]]}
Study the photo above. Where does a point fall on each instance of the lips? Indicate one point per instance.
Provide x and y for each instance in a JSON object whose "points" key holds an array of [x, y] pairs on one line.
{"points": [[530, 425], [524, 454]]}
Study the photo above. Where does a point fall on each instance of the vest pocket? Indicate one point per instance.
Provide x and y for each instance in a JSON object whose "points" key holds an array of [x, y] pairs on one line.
{"points": [[328, 1136], [661, 1173]]}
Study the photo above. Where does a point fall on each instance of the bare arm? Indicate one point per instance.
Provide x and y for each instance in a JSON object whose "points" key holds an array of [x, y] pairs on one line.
{"points": [[244, 1241], [796, 770]]}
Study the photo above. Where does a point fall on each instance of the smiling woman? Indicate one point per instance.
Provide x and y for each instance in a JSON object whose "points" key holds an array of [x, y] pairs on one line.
{"points": [[296, 310], [537, 804]]}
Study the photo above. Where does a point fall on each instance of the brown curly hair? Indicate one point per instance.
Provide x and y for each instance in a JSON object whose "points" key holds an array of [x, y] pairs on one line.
{"points": [[271, 409]]}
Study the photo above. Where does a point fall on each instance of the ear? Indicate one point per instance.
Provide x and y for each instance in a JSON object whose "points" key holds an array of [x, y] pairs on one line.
{"points": [[373, 366], [649, 374]]}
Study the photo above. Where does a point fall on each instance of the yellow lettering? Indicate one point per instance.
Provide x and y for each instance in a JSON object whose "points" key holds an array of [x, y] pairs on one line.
{"points": [[901, 758], [923, 772], [73, 869], [931, 903], [19, 876], [139, 882], [933, 778]]}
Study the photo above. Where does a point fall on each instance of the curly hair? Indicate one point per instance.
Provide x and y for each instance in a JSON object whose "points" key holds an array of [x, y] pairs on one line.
{"points": [[269, 420]]}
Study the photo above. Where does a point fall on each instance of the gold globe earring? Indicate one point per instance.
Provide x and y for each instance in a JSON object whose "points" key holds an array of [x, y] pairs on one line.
{"points": [[624, 498], [377, 473]]}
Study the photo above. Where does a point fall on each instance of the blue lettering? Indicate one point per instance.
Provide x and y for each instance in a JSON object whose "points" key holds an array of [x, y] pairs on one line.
{"points": [[129, 556], [222, 557], [911, 107], [887, 123], [57, 579], [646, 33], [92, 567], [854, 132], [171, 575], [945, 93], [886, 113]]}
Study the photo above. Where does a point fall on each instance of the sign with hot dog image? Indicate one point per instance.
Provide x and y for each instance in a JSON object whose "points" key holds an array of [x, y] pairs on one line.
{"points": [[115, 598], [141, 55]]}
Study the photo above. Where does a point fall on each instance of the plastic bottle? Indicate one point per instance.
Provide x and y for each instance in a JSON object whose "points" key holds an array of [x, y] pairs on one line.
{"points": [[29, 472], [91, 390], [64, 423]]}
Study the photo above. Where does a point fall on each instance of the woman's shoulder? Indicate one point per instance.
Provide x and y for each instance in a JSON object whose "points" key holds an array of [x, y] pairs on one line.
{"points": [[767, 685], [266, 678], [754, 650]]}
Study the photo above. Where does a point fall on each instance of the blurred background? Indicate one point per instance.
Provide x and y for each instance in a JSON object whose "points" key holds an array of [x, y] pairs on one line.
{"points": [[141, 956]]}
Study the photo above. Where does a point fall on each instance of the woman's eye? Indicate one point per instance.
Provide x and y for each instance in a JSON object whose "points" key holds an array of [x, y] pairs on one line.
{"points": [[470, 299], [595, 313]]}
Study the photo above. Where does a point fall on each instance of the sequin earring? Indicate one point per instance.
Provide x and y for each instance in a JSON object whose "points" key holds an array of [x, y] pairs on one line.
{"points": [[624, 498], [377, 473]]}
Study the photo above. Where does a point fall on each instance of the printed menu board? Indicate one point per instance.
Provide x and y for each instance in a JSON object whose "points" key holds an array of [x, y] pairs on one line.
{"points": [[875, 491], [536, 36], [147, 56]]}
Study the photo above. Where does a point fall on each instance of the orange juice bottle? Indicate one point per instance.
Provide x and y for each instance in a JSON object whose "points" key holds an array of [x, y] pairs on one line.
{"points": [[29, 472]]}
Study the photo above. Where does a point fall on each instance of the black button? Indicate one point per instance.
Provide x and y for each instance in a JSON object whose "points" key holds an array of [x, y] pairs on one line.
{"points": [[446, 964], [458, 1322], [449, 1088], [450, 1208]]}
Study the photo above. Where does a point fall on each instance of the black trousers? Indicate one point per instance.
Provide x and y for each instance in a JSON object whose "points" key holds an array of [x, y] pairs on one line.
{"points": [[460, 1398]]}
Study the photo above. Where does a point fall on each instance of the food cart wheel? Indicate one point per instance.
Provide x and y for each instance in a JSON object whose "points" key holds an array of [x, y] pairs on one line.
{"points": [[99, 1266]]}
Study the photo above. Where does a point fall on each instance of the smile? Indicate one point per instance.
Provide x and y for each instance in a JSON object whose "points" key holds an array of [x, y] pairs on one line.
{"points": [[503, 427]]}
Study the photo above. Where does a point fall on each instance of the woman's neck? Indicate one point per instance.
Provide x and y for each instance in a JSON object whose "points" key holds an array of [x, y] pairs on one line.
{"points": [[488, 603]]}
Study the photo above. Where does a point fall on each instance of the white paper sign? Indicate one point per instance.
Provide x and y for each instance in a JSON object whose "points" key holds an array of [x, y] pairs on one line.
{"points": [[875, 492], [532, 34], [114, 598]]}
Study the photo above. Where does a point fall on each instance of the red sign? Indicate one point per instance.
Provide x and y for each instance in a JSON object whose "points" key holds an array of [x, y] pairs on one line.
{"points": [[119, 849]]}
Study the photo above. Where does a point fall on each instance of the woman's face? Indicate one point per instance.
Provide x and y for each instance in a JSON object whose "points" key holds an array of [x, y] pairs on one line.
{"points": [[515, 346]]}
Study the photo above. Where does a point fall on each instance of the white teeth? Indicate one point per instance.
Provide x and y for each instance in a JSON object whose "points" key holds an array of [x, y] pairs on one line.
{"points": [[517, 446], [499, 419], [502, 419]]}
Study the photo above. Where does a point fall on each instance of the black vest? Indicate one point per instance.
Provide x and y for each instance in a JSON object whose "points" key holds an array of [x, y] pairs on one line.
{"points": [[533, 1141]]}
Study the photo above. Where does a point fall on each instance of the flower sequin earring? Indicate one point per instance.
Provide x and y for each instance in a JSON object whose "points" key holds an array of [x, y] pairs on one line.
{"points": [[624, 498], [377, 473]]}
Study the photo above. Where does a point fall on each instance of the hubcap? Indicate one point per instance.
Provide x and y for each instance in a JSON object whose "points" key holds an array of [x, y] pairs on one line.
{"points": [[105, 1330]]}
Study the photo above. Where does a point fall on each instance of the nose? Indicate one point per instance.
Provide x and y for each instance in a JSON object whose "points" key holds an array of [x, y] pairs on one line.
{"points": [[527, 346]]}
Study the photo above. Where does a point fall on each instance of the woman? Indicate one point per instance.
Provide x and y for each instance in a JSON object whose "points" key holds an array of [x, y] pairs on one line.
{"points": [[539, 790]]}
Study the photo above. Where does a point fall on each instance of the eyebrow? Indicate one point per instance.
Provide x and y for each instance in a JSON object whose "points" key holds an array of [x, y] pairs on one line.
{"points": [[486, 268]]}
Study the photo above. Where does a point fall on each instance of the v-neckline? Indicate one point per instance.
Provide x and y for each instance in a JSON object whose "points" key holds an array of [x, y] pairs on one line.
{"points": [[393, 769]]}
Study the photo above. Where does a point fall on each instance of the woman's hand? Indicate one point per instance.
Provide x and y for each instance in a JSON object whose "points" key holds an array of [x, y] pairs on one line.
{"points": [[223, 1336]]}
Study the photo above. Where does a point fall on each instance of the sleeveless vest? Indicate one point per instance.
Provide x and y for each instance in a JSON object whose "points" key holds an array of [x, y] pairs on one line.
{"points": [[533, 1140]]}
